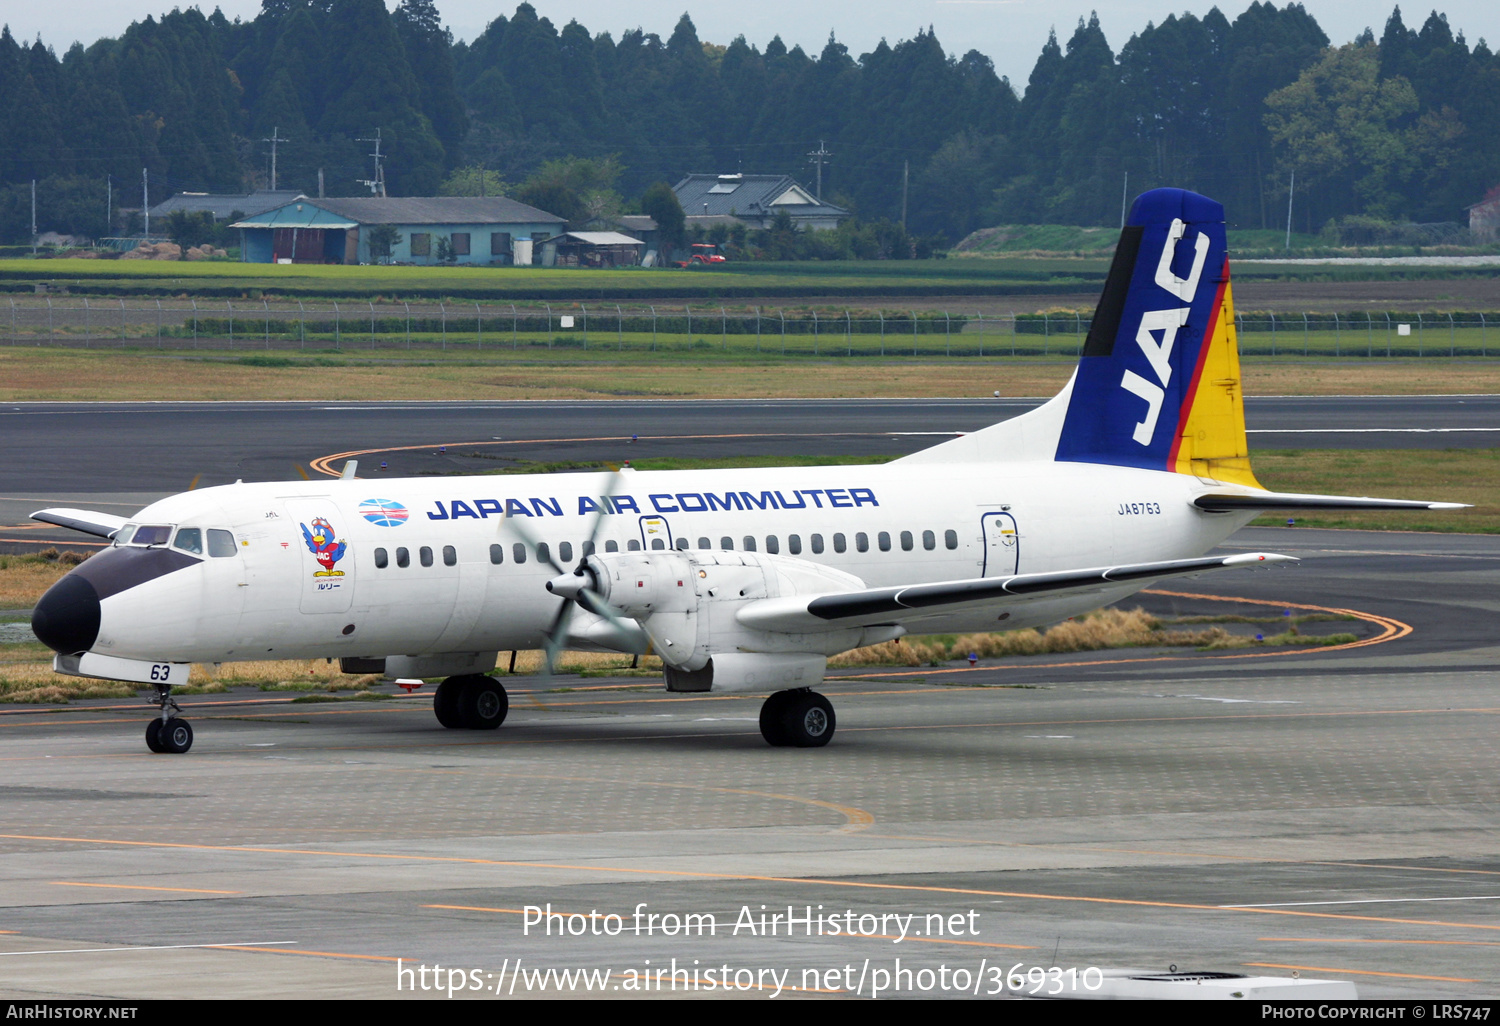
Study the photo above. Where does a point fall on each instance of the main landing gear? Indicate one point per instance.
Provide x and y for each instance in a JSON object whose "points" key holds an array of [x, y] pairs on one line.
{"points": [[167, 734], [473, 701], [799, 718]]}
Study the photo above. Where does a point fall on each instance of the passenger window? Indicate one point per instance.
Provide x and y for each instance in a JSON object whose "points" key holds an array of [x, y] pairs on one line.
{"points": [[839, 544], [749, 543], [862, 542], [588, 549], [794, 544], [122, 536], [497, 554], [189, 539], [425, 555], [726, 543], [929, 540], [220, 543], [885, 541], [382, 559], [450, 556], [403, 558], [703, 543], [682, 544], [518, 552], [632, 546], [817, 544], [950, 538], [565, 551], [772, 545], [152, 534], [543, 553], [906, 541], [658, 543], [611, 546]]}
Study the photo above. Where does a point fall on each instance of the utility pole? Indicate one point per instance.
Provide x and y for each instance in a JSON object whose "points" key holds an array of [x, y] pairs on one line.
{"points": [[146, 198], [1289, 193], [1124, 192], [905, 177], [320, 183], [33, 217], [275, 138], [109, 203], [819, 155], [377, 184]]}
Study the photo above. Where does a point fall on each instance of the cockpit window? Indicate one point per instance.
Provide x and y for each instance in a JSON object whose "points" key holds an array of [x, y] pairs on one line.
{"points": [[122, 536], [151, 534], [189, 539], [220, 543]]}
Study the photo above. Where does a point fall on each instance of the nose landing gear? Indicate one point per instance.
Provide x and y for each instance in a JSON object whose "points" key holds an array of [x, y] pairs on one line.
{"points": [[168, 734]]}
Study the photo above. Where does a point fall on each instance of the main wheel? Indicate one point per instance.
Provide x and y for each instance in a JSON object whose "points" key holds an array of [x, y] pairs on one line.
{"points": [[770, 718], [445, 703], [807, 720], [484, 703], [153, 736], [175, 736]]}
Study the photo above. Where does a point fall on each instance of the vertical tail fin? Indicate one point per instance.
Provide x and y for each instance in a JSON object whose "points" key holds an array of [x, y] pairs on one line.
{"points": [[1158, 385]]}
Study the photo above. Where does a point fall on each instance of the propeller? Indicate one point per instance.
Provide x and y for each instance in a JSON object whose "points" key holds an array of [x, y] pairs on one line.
{"points": [[573, 586]]}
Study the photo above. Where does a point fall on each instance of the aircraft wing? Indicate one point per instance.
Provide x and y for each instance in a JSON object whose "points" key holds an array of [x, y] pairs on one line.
{"points": [[804, 613], [1223, 502], [102, 525]]}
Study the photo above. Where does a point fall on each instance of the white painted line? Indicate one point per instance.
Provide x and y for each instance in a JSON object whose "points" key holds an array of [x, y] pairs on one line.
{"points": [[1367, 431], [151, 947], [1364, 901]]}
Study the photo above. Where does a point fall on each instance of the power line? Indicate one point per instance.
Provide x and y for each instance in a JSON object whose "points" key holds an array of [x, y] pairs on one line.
{"points": [[275, 133]]}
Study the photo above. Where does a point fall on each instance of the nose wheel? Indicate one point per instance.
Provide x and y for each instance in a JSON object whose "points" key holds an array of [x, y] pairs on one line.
{"points": [[168, 734], [797, 719]]}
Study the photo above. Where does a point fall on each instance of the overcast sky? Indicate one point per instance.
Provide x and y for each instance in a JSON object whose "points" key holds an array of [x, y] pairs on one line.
{"points": [[1011, 32]]}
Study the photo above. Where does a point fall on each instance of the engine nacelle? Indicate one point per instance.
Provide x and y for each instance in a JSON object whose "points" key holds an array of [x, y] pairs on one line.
{"points": [[686, 603]]}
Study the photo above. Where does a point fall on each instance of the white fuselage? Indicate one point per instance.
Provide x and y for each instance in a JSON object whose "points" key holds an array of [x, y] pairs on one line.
{"points": [[462, 588]]}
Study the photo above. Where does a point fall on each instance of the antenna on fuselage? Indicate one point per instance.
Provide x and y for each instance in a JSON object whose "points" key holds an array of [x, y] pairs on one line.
{"points": [[350, 466]]}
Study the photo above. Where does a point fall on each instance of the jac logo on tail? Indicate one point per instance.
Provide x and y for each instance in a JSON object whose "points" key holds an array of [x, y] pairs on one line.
{"points": [[1159, 353]]}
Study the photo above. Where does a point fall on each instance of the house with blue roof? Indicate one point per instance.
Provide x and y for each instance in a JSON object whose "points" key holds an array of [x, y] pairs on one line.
{"points": [[475, 230]]}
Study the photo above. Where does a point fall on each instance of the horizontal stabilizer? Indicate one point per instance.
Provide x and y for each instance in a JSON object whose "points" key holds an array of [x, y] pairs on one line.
{"points": [[895, 605], [101, 525], [1224, 502]]}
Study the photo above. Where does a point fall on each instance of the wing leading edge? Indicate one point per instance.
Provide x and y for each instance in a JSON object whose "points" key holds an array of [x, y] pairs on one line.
{"points": [[887, 605], [101, 525]]}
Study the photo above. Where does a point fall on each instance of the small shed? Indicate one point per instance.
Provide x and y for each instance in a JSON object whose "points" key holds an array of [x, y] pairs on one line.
{"points": [[1484, 218], [592, 249]]}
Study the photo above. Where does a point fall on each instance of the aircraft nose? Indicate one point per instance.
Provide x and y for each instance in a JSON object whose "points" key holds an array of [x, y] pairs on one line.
{"points": [[66, 619]]}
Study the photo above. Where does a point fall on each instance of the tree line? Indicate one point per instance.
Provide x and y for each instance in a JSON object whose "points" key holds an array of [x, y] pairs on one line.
{"points": [[1400, 126]]}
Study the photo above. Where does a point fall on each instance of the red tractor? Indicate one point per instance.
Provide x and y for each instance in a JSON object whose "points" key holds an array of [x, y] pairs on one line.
{"points": [[704, 253]]}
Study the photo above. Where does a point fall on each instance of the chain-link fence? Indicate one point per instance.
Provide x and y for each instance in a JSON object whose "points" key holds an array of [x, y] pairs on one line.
{"points": [[478, 327]]}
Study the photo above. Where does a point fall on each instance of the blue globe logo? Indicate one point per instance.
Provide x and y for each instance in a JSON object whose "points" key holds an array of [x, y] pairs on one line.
{"points": [[383, 512]]}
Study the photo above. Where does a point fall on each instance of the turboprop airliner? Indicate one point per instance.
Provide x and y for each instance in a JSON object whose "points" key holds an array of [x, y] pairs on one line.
{"points": [[739, 580]]}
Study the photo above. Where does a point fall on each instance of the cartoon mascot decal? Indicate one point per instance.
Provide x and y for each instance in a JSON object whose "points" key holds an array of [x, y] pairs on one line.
{"points": [[322, 544]]}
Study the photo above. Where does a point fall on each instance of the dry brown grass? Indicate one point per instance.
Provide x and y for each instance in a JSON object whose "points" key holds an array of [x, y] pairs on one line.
{"points": [[23, 579], [1105, 628], [40, 373]]}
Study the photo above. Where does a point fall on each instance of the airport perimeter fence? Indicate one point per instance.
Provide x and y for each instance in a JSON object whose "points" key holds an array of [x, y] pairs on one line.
{"points": [[479, 327]]}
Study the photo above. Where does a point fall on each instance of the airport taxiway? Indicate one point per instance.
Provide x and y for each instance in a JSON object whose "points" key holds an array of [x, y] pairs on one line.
{"points": [[1333, 813]]}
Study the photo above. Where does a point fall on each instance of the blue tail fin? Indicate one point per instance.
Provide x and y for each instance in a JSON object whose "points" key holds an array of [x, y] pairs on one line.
{"points": [[1141, 397]]}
